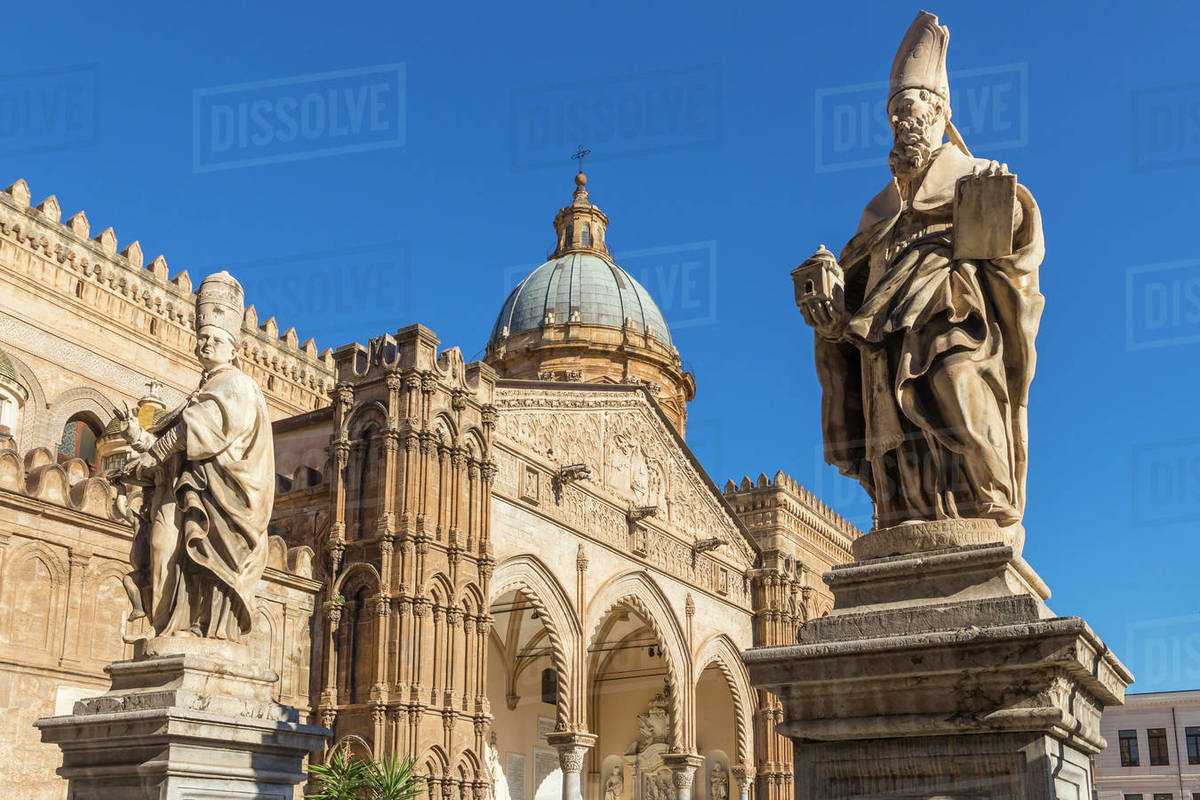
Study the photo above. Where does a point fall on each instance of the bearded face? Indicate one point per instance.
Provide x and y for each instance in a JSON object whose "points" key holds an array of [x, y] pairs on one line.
{"points": [[918, 122]]}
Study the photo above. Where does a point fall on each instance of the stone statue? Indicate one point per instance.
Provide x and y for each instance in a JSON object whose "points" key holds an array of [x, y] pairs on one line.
{"points": [[718, 783], [614, 787], [925, 324], [208, 472]]}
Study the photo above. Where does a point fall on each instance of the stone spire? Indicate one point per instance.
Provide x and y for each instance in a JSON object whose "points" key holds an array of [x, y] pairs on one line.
{"points": [[580, 226]]}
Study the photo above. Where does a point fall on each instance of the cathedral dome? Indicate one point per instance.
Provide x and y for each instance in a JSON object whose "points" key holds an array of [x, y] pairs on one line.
{"points": [[580, 317], [581, 287]]}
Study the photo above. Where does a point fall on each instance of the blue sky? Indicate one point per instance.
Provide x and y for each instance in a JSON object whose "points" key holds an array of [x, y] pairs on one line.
{"points": [[725, 148]]}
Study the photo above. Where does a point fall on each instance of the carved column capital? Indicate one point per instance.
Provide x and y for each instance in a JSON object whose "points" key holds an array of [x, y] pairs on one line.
{"points": [[572, 747], [488, 415]]}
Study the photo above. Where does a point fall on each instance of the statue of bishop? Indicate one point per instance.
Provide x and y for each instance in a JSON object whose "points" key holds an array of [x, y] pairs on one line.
{"points": [[925, 322], [208, 468]]}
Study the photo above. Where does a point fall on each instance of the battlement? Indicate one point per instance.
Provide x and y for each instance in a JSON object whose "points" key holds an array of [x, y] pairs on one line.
{"points": [[146, 301], [749, 494]]}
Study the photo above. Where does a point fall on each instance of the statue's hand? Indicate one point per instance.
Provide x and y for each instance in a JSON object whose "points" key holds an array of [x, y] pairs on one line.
{"points": [[137, 470], [131, 430], [991, 170], [827, 318]]}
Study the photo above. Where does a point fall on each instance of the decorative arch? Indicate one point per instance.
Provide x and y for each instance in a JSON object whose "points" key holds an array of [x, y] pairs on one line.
{"points": [[33, 415], [721, 652], [80, 400], [353, 571], [638, 590], [443, 422], [363, 415], [475, 442], [12, 591], [435, 764], [356, 745], [529, 575], [440, 589]]}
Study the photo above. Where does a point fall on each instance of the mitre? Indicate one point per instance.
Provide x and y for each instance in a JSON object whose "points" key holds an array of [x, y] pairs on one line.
{"points": [[921, 60], [219, 303]]}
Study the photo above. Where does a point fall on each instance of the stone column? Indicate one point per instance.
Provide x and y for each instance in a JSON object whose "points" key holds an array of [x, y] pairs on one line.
{"points": [[683, 772], [572, 747], [744, 776]]}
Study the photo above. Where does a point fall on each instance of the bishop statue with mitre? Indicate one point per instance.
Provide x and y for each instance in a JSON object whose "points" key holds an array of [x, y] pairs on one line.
{"points": [[925, 322], [208, 468]]}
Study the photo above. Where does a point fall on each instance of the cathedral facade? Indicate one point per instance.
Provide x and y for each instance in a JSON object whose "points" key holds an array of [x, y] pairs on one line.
{"points": [[513, 571]]}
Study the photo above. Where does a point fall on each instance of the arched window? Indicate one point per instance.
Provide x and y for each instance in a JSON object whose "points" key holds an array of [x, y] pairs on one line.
{"points": [[550, 687], [585, 235], [570, 237], [79, 437]]}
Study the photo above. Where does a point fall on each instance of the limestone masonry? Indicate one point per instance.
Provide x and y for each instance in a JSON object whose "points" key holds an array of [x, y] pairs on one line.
{"points": [[514, 571]]}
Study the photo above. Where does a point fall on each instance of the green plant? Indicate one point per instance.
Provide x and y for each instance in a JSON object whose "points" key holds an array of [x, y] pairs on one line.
{"points": [[394, 780], [348, 777]]}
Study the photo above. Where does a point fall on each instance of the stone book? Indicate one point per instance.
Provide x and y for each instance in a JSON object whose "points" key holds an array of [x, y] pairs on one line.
{"points": [[983, 216]]}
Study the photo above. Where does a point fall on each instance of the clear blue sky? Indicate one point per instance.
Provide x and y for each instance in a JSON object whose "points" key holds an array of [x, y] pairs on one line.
{"points": [[726, 146]]}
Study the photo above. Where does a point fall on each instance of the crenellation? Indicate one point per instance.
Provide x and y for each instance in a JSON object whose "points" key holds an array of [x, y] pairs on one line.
{"points": [[141, 299], [19, 191], [50, 208], [107, 239]]}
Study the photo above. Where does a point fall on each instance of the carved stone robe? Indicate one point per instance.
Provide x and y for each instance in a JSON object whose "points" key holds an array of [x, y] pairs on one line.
{"points": [[924, 396], [207, 547]]}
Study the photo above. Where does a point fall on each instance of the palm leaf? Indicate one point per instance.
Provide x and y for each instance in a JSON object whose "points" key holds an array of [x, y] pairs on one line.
{"points": [[394, 780], [344, 777]]}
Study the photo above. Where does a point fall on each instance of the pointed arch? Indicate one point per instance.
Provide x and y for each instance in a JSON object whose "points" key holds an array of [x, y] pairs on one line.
{"points": [[364, 415], [530, 575], [35, 597], [719, 651], [639, 591], [359, 570]]}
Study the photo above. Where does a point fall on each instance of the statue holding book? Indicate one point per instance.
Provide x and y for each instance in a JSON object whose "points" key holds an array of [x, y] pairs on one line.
{"points": [[207, 474], [925, 322]]}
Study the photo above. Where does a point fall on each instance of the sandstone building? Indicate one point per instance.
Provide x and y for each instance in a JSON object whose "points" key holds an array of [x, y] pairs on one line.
{"points": [[514, 571]]}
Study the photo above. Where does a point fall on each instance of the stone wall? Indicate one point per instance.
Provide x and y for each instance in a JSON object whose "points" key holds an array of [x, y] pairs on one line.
{"points": [[64, 547]]}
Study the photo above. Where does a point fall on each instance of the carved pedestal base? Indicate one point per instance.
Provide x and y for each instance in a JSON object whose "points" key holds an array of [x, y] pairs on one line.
{"points": [[942, 673], [187, 719]]}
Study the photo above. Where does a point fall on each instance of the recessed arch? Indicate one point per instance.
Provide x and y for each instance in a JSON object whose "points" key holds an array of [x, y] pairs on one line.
{"points": [[355, 570], [533, 579], [719, 651], [638, 591], [32, 432]]}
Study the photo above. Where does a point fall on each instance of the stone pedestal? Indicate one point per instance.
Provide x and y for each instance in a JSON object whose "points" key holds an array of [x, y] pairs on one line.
{"points": [[186, 719], [942, 673]]}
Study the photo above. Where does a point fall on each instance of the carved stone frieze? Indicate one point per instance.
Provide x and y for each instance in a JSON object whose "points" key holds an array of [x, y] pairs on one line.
{"points": [[635, 458]]}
